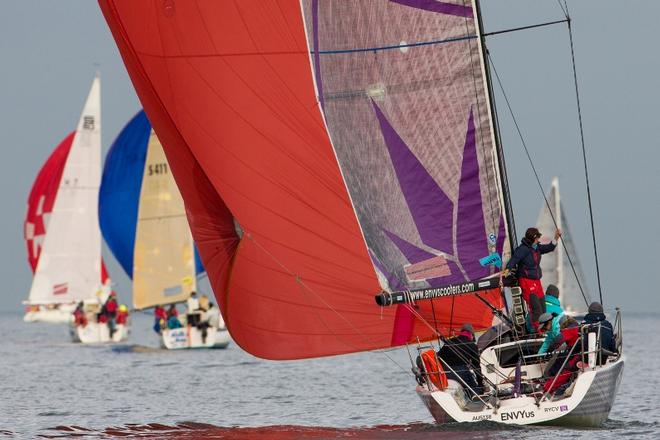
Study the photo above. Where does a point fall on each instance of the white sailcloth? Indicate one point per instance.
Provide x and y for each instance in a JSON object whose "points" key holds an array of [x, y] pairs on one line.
{"points": [[555, 265], [164, 257], [69, 268]]}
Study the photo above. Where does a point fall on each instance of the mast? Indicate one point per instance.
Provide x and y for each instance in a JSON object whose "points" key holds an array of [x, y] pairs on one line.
{"points": [[504, 182]]}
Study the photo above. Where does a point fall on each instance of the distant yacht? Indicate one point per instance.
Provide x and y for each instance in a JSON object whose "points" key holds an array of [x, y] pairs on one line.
{"points": [[61, 224], [144, 222], [556, 266]]}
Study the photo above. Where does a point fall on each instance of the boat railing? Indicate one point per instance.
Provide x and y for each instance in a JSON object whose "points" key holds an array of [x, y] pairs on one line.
{"points": [[563, 365], [446, 367], [597, 351]]}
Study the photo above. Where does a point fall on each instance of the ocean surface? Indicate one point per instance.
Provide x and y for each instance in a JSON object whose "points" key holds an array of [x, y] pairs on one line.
{"points": [[52, 388]]}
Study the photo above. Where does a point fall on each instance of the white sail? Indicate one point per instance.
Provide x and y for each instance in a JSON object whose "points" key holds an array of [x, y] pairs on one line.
{"points": [[164, 257], [69, 268], [556, 266]]}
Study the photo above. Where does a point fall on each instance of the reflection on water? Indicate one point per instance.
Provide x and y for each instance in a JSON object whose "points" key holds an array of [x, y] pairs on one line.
{"points": [[136, 390]]}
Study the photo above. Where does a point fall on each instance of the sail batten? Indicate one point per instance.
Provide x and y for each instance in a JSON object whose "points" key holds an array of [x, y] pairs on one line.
{"points": [[323, 159]]}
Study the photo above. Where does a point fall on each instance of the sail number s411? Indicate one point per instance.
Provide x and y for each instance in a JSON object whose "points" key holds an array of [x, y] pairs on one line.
{"points": [[158, 168]]}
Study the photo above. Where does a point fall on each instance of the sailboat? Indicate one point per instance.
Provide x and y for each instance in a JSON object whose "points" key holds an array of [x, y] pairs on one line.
{"points": [[556, 267], [144, 222], [329, 151], [61, 224]]}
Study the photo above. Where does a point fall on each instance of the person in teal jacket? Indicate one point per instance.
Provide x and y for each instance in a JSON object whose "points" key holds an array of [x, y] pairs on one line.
{"points": [[553, 316], [551, 300]]}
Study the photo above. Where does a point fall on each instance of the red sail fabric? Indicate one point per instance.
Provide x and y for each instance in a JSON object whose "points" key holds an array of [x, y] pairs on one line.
{"points": [[42, 198], [229, 89]]}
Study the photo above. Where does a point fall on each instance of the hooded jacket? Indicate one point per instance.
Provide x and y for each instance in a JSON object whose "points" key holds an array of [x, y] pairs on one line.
{"points": [[607, 340], [527, 261]]}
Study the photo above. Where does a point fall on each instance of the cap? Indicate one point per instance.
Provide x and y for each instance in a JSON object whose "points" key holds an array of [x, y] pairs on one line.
{"points": [[595, 307], [545, 317], [552, 290]]}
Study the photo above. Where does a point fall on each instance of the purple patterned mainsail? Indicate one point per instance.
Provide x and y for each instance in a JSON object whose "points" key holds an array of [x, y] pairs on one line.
{"points": [[431, 209], [411, 130], [471, 237]]}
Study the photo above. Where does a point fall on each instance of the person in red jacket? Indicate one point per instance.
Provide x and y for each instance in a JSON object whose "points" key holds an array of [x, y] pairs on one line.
{"points": [[526, 262], [569, 335], [79, 318], [122, 315], [109, 310]]}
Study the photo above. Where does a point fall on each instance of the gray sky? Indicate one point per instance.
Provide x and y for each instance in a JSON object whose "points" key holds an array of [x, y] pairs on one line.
{"points": [[48, 52]]}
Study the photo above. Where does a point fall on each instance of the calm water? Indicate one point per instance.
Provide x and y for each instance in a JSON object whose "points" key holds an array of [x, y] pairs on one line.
{"points": [[52, 388]]}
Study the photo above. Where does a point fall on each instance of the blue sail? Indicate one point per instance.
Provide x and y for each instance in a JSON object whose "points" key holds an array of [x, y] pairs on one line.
{"points": [[119, 196]]}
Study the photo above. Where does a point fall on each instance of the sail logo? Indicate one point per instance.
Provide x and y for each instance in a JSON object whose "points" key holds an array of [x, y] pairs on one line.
{"points": [[88, 123], [431, 268], [517, 415], [60, 289]]}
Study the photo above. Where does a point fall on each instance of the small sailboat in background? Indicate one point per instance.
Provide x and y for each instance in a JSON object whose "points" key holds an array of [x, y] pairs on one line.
{"points": [[144, 222], [557, 270], [61, 225]]}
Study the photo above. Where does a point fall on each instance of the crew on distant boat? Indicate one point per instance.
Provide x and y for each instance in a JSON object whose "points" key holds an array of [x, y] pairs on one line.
{"points": [[79, 318], [173, 318], [160, 318], [109, 312], [597, 322], [122, 315], [192, 304], [526, 262], [460, 358], [213, 316], [204, 303], [550, 321]]}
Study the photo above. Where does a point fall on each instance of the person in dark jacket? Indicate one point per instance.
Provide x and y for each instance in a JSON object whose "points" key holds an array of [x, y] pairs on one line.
{"points": [[459, 357], [596, 319], [526, 262]]}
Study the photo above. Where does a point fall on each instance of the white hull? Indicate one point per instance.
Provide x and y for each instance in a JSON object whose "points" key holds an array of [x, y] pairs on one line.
{"points": [[588, 405], [98, 333], [191, 337], [61, 315]]}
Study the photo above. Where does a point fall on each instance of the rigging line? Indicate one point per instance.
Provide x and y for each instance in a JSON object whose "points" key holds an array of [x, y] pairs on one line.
{"points": [[522, 28], [538, 179], [396, 46], [565, 11], [584, 153], [306, 287]]}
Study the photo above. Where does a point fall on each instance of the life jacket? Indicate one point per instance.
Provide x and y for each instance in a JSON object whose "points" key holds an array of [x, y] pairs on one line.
{"points": [[121, 317], [111, 306]]}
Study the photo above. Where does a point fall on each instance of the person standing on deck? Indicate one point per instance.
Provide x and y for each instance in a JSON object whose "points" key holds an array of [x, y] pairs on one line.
{"points": [[526, 261]]}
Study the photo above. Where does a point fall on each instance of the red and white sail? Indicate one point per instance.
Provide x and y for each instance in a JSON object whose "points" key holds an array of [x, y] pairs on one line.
{"points": [[61, 227]]}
